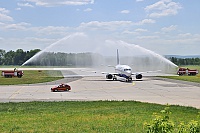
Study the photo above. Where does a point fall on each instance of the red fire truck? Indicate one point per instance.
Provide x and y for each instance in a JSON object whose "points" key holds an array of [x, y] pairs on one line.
{"points": [[11, 73], [187, 71]]}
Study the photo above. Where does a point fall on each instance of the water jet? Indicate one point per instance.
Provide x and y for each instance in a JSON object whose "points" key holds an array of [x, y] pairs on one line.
{"points": [[83, 50]]}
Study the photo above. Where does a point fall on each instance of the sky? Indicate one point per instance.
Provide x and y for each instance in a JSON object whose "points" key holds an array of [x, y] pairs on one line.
{"points": [[167, 27]]}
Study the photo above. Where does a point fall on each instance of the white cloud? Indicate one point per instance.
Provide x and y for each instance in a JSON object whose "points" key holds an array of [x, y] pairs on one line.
{"points": [[170, 28], [48, 3], [51, 30], [1, 38], [25, 4], [87, 10], [141, 30], [129, 32], [163, 8], [185, 35], [18, 9], [187, 39], [17, 26], [26, 43], [139, 0], [3, 10], [4, 16], [112, 25], [125, 11], [145, 21], [147, 37], [40, 40]]}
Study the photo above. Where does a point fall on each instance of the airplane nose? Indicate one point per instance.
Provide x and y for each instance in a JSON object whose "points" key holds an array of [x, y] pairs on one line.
{"points": [[129, 73]]}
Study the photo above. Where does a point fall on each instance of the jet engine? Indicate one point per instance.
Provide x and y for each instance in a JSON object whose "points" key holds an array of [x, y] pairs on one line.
{"points": [[109, 76], [139, 76]]}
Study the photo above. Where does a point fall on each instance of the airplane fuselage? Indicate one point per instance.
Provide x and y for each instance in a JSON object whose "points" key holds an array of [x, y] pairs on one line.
{"points": [[123, 71]]}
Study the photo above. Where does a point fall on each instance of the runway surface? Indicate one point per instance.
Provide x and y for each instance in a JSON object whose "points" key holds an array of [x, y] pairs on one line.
{"points": [[149, 89]]}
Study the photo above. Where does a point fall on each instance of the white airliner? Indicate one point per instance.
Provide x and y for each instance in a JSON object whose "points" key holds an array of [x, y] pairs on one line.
{"points": [[124, 71]]}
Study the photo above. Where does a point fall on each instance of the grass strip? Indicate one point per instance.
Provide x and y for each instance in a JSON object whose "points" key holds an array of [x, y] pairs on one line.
{"points": [[32, 77], [93, 117], [195, 79], [187, 78]]}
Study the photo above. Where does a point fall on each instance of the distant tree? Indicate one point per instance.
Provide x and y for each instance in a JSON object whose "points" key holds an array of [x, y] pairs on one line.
{"points": [[2, 54], [185, 61], [19, 57], [31, 53], [9, 58], [197, 60], [174, 60]]}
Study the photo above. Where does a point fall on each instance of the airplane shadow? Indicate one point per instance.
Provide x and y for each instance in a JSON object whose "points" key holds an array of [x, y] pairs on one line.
{"points": [[114, 80]]}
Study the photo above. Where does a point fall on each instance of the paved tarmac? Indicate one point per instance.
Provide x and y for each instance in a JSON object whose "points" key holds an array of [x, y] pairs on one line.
{"points": [[149, 89]]}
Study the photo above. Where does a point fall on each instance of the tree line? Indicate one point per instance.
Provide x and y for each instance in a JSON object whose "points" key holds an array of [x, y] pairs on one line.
{"points": [[20, 56], [17, 57], [185, 61], [64, 59]]}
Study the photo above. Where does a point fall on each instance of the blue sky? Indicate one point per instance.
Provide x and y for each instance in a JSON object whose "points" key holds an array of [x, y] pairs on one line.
{"points": [[163, 26]]}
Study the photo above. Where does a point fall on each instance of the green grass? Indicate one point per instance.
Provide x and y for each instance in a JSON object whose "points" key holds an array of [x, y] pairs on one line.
{"points": [[31, 77], [12, 66], [187, 78], [93, 117]]}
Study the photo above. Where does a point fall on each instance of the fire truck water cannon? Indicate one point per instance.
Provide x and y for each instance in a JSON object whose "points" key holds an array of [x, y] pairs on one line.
{"points": [[12, 73], [187, 71]]}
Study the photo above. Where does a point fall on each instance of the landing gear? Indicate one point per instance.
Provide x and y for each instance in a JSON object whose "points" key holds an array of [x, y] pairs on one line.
{"points": [[129, 79], [115, 78]]}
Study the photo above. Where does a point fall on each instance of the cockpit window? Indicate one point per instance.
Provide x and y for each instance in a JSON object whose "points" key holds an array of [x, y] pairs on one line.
{"points": [[127, 69]]}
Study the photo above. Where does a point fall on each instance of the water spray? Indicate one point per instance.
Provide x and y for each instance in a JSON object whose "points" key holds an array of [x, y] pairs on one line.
{"points": [[49, 47], [100, 52]]}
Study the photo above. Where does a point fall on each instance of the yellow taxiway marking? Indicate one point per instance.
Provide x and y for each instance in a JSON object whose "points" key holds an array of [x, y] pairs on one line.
{"points": [[15, 93]]}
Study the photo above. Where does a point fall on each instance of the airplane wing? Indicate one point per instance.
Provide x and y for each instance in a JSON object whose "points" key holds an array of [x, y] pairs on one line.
{"points": [[136, 73], [110, 73], [79, 76]]}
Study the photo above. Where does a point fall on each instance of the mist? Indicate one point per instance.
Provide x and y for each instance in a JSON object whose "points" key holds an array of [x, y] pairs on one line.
{"points": [[83, 50]]}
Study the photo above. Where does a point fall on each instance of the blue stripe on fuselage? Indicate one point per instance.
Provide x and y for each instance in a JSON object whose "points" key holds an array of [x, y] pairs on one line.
{"points": [[123, 75]]}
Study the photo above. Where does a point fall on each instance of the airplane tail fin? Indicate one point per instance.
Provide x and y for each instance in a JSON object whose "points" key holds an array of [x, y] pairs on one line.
{"points": [[117, 57]]}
